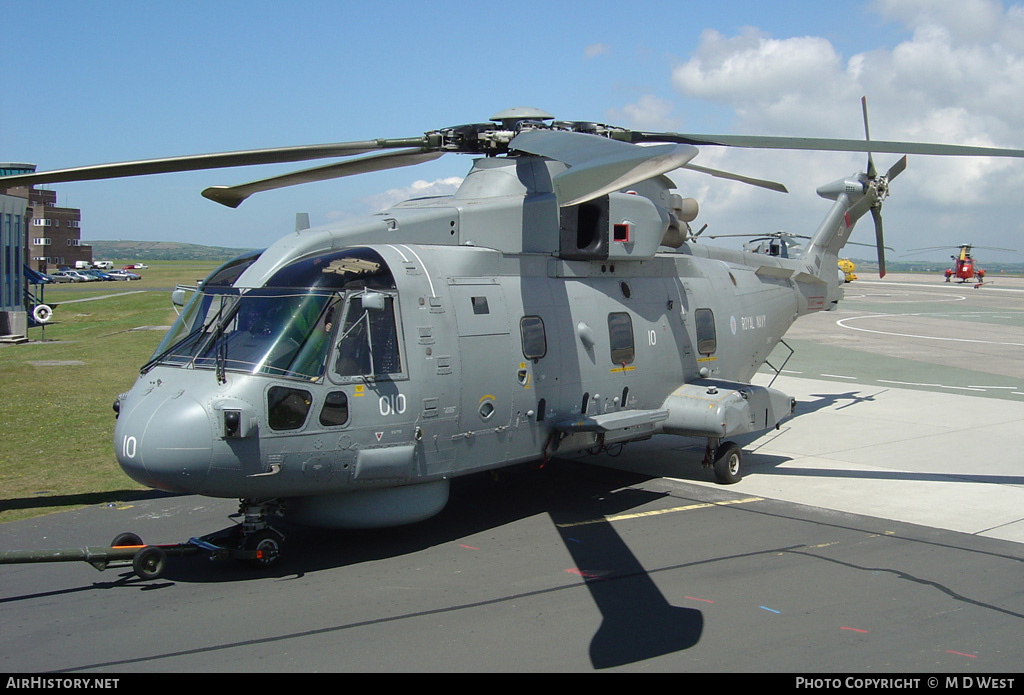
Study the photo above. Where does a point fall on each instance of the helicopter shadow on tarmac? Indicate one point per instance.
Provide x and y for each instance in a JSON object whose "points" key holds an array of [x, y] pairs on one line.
{"points": [[637, 621]]}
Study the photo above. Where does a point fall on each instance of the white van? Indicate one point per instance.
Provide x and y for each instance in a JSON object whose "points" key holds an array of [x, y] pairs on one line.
{"points": [[82, 265], [103, 265]]}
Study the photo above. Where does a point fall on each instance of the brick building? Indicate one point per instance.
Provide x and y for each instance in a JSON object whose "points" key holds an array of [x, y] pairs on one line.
{"points": [[34, 232]]}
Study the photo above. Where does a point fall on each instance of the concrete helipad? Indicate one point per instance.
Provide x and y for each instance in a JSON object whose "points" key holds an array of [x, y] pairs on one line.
{"points": [[910, 407]]}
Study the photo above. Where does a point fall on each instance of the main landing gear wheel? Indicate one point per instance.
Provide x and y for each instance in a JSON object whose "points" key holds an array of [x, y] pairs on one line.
{"points": [[728, 463], [269, 544]]}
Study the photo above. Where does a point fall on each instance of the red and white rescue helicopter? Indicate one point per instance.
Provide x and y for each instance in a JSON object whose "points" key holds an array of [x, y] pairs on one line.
{"points": [[964, 268]]}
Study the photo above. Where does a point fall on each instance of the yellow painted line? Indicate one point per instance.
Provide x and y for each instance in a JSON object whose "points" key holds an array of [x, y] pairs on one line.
{"points": [[657, 512]]}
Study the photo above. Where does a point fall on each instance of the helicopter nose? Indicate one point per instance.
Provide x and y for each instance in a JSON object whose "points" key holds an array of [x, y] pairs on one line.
{"points": [[164, 443]]}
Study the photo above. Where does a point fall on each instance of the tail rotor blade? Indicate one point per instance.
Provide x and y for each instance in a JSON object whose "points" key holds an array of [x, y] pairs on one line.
{"points": [[896, 168], [876, 213], [867, 137]]}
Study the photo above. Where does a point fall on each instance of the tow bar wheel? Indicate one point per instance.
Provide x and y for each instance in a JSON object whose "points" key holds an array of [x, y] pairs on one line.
{"points": [[149, 563], [125, 539]]}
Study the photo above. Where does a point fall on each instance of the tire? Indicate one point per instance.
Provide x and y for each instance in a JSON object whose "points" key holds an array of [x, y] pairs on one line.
{"points": [[270, 543], [123, 539], [728, 463], [149, 563]]}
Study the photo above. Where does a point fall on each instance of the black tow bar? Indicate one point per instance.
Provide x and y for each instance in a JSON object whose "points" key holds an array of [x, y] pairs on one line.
{"points": [[146, 561]]}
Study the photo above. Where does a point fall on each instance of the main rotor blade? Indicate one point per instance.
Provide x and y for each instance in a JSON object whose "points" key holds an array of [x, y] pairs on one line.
{"points": [[570, 148], [759, 237], [929, 248], [763, 183], [232, 196], [598, 165], [604, 175], [771, 142], [216, 160]]}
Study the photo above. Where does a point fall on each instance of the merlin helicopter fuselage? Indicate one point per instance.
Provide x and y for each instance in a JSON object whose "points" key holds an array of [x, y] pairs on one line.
{"points": [[558, 302], [458, 344]]}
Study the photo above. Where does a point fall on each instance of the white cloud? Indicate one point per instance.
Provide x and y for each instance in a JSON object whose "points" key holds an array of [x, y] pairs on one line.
{"points": [[647, 113], [417, 189], [751, 68], [970, 21], [595, 49], [959, 78]]}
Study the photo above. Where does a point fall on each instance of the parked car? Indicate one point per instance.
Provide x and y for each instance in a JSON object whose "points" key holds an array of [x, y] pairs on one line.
{"points": [[64, 276], [123, 275], [96, 274], [134, 266]]}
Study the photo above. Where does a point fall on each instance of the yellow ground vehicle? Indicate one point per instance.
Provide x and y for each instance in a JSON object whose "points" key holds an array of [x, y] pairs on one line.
{"points": [[847, 267]]}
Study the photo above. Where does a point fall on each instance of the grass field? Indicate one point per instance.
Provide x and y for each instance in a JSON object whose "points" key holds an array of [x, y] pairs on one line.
{"points": [[56, 412]]}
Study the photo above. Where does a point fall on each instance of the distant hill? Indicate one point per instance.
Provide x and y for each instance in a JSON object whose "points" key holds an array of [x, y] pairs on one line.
{"points": [[160, 251], [893, 266]]}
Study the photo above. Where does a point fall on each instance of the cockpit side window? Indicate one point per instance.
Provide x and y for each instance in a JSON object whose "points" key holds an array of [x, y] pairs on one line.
{"points": [[368, 342]]}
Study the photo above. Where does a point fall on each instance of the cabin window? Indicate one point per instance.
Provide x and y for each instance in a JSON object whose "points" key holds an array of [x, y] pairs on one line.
{"points": [[335, 410], [620, 337], [287, 407], [707, 342], [535, 343]]}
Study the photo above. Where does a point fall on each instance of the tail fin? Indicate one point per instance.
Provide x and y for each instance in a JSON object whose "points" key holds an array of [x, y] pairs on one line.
{"points": [[854, 196]]}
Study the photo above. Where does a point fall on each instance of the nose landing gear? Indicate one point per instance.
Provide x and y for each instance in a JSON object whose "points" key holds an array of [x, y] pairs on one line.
{"points": [[257, 536]]}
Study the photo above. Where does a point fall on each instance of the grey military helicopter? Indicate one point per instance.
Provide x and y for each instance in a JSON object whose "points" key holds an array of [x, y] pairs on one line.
{"points": [[558, 302], [779, 243]]}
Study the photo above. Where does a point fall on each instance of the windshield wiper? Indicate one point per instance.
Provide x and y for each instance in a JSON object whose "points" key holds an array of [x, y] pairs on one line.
{"points": [[192, 335]]}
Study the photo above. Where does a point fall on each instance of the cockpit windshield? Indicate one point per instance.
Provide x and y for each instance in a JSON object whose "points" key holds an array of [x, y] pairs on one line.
{"points": [[275, 332], [289, 332]]}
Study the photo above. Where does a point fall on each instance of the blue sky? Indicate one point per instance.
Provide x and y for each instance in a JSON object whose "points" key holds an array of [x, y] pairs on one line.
{"points": [[113, 81]]}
